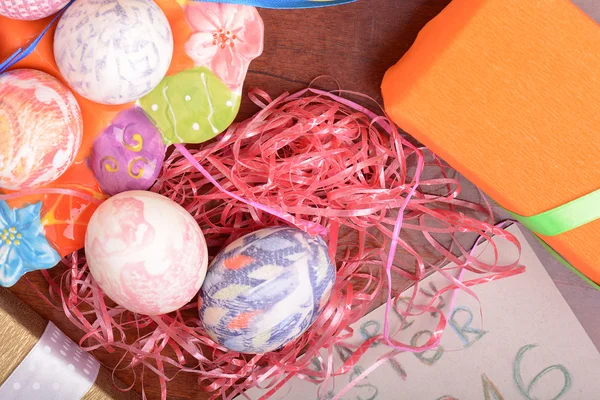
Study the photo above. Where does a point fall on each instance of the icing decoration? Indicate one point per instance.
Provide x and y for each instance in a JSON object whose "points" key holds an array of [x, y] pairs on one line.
{"points": [[226, 39], [191, 107], [30, 9], [40, 129], [23, 246], [129, 154], [197, 104], [113, 51], [265, 289], [146, 252]]}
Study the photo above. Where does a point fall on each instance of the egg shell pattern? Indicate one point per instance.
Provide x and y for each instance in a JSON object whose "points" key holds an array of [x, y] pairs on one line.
{"points": [[113, 51], [30, 9], [266, 289], [40, 129], [146, 252]]}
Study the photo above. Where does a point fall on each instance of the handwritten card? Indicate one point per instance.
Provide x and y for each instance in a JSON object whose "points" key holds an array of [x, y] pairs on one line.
{"points": [[529, 345]]}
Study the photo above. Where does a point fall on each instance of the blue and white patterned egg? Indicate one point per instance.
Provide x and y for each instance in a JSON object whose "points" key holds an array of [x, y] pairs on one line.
{"points": [[113, 51], [266, 289]]}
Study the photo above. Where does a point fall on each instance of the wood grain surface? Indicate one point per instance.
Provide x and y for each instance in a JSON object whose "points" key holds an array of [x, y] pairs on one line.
{"points": [[353, 45]]}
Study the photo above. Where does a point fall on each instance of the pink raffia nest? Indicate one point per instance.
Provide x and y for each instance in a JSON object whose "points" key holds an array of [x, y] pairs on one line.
{"points": [[330, 167]]}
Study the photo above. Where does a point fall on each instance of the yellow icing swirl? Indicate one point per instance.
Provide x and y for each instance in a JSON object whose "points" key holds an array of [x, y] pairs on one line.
{"points": [[140, 172], [138, 143], [110, 164]]}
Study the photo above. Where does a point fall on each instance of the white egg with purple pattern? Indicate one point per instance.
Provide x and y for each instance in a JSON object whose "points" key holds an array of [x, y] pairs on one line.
{"points": [[266, 289], [113, 51]]}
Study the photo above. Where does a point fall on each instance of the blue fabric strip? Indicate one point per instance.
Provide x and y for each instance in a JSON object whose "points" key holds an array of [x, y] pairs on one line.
{"points": [[21, 53], [284, 4]]}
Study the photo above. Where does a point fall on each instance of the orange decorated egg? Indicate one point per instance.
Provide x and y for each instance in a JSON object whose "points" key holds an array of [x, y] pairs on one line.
{"points": [[40, 129]]}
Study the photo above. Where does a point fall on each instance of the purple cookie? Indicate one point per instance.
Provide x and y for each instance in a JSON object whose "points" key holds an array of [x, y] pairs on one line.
{"points": [[128, 154]]}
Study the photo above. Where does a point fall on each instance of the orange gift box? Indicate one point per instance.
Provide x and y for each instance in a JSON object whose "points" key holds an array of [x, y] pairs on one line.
{"points": [[508, 93]]}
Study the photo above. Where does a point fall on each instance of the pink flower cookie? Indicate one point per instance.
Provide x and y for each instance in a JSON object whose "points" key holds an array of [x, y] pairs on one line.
{"points": [[227, 37]]}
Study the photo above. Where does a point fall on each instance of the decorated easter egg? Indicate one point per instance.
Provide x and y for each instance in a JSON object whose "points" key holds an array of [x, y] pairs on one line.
{"points": [[146, 252], [40, 129], [265, 289], [113, 51], [192, 106], [30, 9], [128, 154]]}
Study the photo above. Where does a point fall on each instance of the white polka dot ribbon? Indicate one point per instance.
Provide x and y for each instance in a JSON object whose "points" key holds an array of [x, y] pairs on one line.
{"points": [[55, 369]]}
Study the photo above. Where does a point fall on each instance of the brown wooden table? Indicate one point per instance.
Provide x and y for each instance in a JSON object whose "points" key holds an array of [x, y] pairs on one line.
{"points": [[354, 45]]}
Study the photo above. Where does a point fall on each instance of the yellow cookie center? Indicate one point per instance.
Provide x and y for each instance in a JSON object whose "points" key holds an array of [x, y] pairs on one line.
{"points": [[10, 236]]}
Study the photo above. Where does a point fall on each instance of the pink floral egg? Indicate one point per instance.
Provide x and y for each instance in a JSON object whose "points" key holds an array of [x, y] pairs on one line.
{"points": [[146, 252], [30, 9], [40, 129]]}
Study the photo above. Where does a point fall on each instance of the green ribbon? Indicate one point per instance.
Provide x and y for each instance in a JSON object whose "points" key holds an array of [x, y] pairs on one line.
{"points": [[562, 219], [567, 217]]}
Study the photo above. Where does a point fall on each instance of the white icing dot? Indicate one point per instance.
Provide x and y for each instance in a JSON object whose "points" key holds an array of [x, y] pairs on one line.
{"points": [[188, 98], [65, 347], [47, 349], [86, 371], [36, 386], [54, 340], [70, 367], [195, 126], [63, 353], [154, 107], [229, 103], [31, 367], [16, 386], [55, 386]]}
